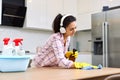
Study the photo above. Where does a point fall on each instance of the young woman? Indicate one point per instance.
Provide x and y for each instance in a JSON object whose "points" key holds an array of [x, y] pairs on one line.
{"points": [[53, 52]]}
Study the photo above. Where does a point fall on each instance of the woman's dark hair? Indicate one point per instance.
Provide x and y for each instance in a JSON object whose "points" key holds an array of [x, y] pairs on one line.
{"points": [[56, 23]]}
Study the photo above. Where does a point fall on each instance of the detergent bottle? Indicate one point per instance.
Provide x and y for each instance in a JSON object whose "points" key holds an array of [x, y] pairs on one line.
{"points": [[72, 56], [7, 48], [18, 49]]}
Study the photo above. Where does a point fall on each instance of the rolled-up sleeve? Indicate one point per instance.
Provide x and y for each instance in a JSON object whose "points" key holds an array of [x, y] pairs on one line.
{"points": [[59, 51]]}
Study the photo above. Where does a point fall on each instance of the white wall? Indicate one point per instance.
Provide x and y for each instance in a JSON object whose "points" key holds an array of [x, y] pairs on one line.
{"points": [[31, 38]]}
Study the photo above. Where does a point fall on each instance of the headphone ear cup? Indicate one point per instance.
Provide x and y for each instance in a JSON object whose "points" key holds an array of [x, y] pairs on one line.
{"points": [[62, 30]]}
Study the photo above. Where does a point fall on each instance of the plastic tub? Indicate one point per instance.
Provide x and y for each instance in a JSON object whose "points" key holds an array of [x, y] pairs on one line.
{"points": [[14, 63]]}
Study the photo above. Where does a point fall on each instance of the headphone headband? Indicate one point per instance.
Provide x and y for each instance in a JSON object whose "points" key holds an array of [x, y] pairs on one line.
{"points": [[62, 19]]}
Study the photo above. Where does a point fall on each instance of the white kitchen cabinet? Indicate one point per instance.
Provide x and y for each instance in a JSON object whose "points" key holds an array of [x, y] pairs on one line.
{"points": [[84, 21], [70, 7], [85, 11], [36, 14], [0, 10], [89, 6], [54, 7], [41, 13]]}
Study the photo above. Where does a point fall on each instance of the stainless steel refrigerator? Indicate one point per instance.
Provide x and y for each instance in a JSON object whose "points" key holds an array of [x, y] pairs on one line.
{"points": [[106, 38]]}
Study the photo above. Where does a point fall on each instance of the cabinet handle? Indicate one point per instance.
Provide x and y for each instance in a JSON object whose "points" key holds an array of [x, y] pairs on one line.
{"points": [[12, 16]]}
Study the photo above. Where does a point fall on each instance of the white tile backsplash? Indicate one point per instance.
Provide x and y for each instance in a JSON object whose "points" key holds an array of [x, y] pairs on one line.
{"points": [[84, 57], [84, 40], [31, 38]]}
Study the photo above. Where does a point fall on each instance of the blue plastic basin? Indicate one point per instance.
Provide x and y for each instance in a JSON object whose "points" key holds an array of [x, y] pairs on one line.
{"points": [[14, 63]]}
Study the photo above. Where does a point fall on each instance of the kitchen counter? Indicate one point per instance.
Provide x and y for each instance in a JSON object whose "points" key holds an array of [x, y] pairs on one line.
{"points": [[52, 73]]}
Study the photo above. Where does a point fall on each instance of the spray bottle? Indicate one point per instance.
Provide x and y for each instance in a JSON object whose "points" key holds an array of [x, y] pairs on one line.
{"points": [[7, 48], [6, 40], [18, 50]]}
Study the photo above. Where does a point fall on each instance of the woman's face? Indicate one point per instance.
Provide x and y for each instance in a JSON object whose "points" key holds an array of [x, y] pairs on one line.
{"points": [[71, 29]]}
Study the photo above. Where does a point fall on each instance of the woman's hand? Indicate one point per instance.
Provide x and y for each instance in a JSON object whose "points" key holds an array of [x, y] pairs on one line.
{"points": [[72, 55]]}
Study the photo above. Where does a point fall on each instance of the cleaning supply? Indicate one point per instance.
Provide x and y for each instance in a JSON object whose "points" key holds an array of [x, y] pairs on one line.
{"points": [[18, 50], [14, 63], [86, 66], [72, 55], [6, 41], [13, 58], [91, 67], [7, 48]]}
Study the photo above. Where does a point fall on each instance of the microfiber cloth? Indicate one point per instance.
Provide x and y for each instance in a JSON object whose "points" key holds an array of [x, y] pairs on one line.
{"points": [[91, 68]]}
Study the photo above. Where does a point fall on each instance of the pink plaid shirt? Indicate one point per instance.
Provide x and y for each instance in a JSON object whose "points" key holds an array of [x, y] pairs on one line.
{"points": [[53, 53]]}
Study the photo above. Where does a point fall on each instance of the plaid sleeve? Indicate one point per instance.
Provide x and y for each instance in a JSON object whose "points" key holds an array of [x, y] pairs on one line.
{"points": [[59, 51]]}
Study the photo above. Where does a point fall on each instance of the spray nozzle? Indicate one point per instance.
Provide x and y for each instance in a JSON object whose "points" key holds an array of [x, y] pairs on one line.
{"points": [[6, 40], [74, 50], [17, 41]]}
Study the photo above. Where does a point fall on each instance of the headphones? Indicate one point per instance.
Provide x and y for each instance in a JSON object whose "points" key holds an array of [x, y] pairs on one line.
{"points": [[62, 29]]}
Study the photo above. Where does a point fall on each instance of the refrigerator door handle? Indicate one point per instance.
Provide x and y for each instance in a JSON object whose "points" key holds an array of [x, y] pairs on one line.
{"points": [[103, 35], [105, 43]]}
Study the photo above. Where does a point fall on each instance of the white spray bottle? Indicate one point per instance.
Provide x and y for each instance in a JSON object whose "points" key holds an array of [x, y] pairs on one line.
{"points": [[7, 48], [18, 50]]}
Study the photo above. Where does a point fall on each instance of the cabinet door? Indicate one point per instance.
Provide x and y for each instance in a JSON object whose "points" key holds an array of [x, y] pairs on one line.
{"points": [[70, 7], [54, 7], [41, 13], [84, 22], [36, 14], [0, 10]]}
